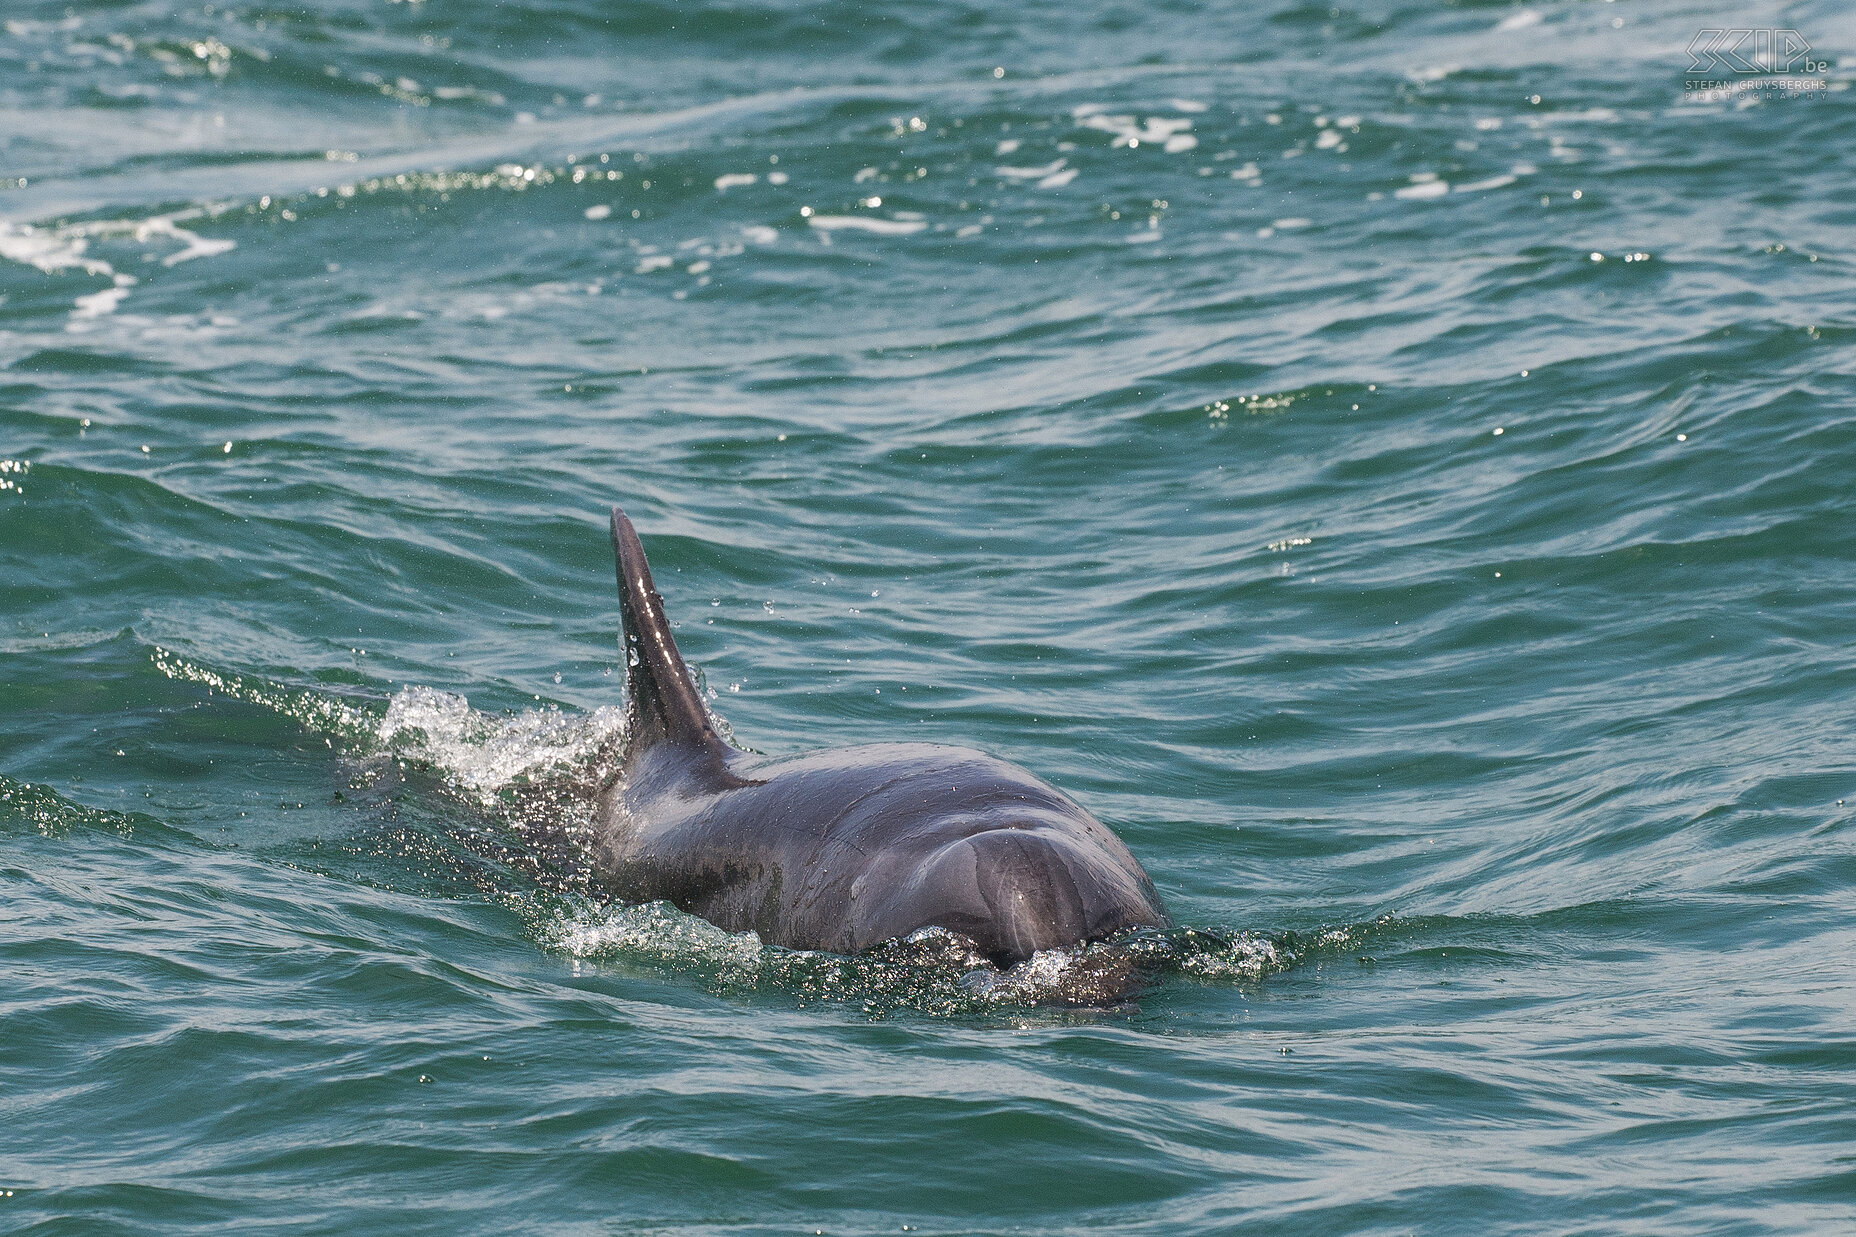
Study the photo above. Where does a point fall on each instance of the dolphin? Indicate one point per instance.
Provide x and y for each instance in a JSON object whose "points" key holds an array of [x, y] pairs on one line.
{"points": [[841, 850]]}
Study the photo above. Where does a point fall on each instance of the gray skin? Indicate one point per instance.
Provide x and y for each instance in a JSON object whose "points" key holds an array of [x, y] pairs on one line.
{"points": [[841, 850]]}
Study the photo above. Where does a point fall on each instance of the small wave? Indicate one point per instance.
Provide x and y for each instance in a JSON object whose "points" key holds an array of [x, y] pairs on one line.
{"points": [[48, 813], [313, 710]]}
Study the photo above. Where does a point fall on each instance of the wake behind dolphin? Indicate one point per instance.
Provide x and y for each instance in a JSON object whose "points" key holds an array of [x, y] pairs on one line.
{"points": [[842, 850]]}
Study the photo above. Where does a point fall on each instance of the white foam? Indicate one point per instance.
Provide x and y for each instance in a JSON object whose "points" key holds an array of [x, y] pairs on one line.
{"points": [[99, 303], [50, 250], [1037, 173], [67, 247], [1476, 186], [1162, 131], [1590, 115], [196, 246], [1425, 185], [864, 223], [452, 93], [734, 180]]}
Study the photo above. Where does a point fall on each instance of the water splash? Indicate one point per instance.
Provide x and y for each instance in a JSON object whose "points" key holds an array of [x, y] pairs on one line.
{"points": [[480, 755], [932, 971]]}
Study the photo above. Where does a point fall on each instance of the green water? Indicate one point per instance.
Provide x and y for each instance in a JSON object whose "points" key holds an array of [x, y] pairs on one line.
{"points": [[1392, 464]]}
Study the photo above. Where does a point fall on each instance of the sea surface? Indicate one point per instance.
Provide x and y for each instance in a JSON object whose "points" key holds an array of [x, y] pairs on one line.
{"points": [[1394, 463]]}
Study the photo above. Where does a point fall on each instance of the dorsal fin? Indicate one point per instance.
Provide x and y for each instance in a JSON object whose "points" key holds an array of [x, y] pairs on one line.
{"points": [[664, 705]]}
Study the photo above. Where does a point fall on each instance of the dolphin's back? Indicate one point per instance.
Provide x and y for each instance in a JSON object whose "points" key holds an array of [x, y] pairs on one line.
{"points": [[844, 849], [841, 850]]}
